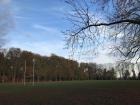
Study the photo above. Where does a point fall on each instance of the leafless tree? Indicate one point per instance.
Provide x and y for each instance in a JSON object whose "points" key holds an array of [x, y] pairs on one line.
{"points": [[95, 21], [122, 68]]}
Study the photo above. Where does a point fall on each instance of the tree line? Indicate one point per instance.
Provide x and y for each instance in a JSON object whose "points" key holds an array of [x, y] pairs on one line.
{"points": [[17, 66]]}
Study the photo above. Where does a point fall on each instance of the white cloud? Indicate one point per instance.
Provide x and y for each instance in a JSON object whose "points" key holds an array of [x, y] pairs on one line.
{"points": [[59, 10], [104, 58], [43, 48], [21, 17], [102, 55], [44, 45], [38, 26], [5, 2], [45, 28], [101, 58], [50, 33], [6, 19]]}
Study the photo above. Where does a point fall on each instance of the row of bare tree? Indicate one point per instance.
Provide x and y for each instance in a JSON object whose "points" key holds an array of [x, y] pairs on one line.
{"points": [[17, 66]]}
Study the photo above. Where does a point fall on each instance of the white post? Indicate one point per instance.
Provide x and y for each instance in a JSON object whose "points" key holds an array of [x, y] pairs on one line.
{"points": [[33, 70], [25, 74]]}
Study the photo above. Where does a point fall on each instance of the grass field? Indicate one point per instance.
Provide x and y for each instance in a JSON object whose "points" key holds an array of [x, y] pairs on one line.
{"points": [[101, 92]]}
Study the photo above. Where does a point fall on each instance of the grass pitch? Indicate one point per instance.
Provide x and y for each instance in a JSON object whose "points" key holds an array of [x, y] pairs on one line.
{"points": [[100, 92]]}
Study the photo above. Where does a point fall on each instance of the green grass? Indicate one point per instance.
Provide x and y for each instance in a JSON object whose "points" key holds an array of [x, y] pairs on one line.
{"points": [[94, 92], [71, 84]]}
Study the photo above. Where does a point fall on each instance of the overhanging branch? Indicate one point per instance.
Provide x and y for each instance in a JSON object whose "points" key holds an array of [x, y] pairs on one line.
{"points": [[116, 22], [108, 24]]}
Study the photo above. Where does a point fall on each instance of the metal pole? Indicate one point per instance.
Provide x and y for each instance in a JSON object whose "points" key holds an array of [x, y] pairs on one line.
{"points": [[33, 70], [25, 74]]}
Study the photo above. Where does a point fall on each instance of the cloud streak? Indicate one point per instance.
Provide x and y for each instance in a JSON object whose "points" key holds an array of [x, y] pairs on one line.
{"points": [[43, 48], [52, 33], [6, 21], [5, 2], [45, 28]]}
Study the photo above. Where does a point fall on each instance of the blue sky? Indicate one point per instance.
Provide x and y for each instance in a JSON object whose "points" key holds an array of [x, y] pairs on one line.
{"points": [[38, 26]]}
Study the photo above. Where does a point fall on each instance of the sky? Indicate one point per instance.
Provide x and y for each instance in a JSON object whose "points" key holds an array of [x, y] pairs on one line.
{"points": [[37, 25]]}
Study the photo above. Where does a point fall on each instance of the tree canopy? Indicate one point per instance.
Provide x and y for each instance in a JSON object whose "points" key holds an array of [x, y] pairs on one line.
{"points": [[94, 21], [17, 66]]}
